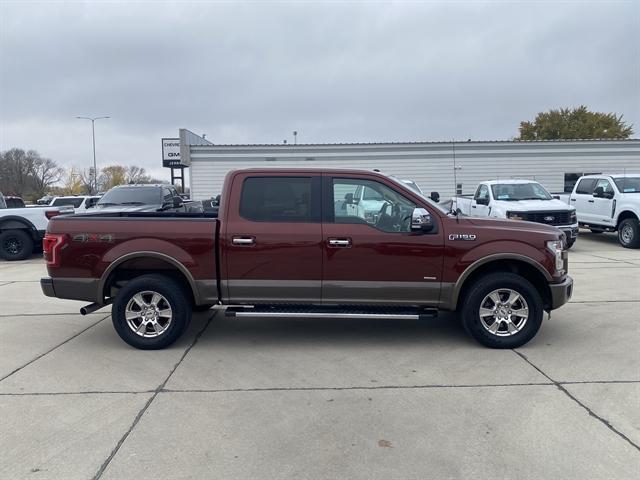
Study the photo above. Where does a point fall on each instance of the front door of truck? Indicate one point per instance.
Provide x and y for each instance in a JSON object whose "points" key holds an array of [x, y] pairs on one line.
{"points": [[377, 259], [603, 194], [480, 202], [272, 239]]}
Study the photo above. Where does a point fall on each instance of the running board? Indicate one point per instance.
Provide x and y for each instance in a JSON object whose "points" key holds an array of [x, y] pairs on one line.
{"points": [[284, 311]]}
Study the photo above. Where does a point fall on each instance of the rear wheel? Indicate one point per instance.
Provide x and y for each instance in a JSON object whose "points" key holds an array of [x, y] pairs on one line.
{"points": [[502, 310], [15, 244], [629, 233], [151, 312]]}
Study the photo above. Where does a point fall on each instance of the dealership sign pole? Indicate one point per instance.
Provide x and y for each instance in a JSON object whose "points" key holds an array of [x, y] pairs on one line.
{"points": [[171, 159]]}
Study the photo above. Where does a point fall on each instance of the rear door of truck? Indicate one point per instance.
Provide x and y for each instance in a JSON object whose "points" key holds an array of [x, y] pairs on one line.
{"points": [[271, 238]]}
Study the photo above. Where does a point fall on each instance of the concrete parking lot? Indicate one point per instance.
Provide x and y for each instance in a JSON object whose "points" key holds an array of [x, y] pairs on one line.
{"points": [[241, 399]]}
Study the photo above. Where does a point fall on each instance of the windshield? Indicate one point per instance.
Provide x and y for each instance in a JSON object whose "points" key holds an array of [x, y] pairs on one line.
{"points": [[131, 195], [628, 184], [519, 191]]}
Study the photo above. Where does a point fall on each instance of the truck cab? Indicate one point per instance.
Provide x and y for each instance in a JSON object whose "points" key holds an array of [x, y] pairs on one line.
{"points": [[609, 203]]}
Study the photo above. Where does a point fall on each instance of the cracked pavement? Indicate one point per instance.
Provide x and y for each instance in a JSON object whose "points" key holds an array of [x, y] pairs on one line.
{"points": [[310, 399]]}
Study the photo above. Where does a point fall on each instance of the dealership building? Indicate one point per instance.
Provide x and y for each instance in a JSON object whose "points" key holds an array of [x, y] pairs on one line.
{"points": [[446, 167]]}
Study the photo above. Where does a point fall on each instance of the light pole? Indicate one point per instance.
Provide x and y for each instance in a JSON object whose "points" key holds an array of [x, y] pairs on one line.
{"points": [[93, 137]]}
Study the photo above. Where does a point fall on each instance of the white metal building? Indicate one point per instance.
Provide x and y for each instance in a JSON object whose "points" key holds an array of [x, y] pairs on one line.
{"points": [[556, 164]]}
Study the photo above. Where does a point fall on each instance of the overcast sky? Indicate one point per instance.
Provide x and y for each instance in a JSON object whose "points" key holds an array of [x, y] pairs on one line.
{"points": [[333, 71]]}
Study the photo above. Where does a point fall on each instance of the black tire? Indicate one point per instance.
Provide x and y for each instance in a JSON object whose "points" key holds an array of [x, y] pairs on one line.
{"points": [[474, 300], [173, 295], [596, 230], [629, 233], [202, 308], [15, 244]]}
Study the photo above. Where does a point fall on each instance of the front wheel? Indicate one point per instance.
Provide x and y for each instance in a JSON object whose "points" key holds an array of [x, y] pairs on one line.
{"points": [[502, 310], [629, 233], [151, 312]]}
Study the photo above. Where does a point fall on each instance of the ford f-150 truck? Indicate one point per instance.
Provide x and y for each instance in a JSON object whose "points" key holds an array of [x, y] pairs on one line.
{"points": [[520, 200], [280, 247], [609, 203]]}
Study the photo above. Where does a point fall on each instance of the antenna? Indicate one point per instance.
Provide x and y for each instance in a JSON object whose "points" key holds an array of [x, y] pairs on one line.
{"points": [[455, 178]]}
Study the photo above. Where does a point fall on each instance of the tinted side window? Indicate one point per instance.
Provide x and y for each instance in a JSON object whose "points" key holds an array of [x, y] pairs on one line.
{"points": [[75, 202], [585, 186], [167, 196], [606, 186], [280, 199]]}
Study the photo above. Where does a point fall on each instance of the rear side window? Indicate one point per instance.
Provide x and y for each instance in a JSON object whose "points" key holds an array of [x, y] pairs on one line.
{"points": [[281, 199], [585, 186]]}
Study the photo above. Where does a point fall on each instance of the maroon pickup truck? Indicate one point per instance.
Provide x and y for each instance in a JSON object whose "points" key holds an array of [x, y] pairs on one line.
{"points": [[295, 242]]}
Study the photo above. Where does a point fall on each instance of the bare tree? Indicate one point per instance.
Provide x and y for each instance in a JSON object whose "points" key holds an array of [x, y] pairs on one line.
{"points": [[135, 174], [16, 171], [45, 173]]}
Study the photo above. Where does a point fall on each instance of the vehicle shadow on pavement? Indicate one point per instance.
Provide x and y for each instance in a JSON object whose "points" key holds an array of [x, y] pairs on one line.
{"points": [[290, 331]]}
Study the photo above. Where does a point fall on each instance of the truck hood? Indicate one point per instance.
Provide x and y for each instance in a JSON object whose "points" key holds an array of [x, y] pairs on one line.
{"points": [[511, 225], [533, 205], [125, 208]]}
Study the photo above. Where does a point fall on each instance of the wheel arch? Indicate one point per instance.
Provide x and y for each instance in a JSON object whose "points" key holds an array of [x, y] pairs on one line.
{"points": [[624, 215], [13, 222], [133, 265], [512, 263]]}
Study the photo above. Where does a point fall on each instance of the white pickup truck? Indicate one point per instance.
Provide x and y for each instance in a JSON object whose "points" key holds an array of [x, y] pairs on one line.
{"points": [[609, 203], [22, 229], [519, 200]]}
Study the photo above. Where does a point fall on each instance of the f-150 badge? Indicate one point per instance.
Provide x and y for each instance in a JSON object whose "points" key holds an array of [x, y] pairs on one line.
{"points": [[462, 236]]}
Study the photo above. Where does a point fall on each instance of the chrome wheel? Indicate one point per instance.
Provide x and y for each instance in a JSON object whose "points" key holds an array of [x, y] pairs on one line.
{"points": [[148, 314], [626, 233], [504, 312]]}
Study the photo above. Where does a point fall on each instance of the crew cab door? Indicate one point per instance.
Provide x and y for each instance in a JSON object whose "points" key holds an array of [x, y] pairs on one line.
{"points": [[271, 239], [480, 203], [603, 194], [377, 259], [582, 199]]}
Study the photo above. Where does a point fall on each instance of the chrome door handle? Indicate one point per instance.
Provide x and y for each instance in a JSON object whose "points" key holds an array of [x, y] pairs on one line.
{"points": [[573, 199], [591, 201], [243, 241], [337, 242]]}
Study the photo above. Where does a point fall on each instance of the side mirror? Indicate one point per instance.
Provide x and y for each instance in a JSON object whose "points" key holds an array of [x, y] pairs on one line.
{"points": [[435, 196], [600, 193], [421, 220], [482, 201], [177, 202], [348, 198]]}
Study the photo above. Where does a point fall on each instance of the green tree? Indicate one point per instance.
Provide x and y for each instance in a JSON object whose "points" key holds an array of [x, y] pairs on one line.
{"points": [[576, 123]]}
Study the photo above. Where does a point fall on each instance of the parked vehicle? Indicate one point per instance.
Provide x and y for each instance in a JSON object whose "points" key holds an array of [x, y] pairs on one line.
{"points": [[80, 203], [609, 203], [278, 249], [46, 200], [145, 198], [22, 229], [211, 205], [520, 200]]}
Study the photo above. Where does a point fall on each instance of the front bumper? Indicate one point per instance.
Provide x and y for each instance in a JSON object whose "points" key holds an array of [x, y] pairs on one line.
{"points": [[571, 231], [561, 292]]}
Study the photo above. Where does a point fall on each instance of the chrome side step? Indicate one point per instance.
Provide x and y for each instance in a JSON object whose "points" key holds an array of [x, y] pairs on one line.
{"points": [[345, 313]]}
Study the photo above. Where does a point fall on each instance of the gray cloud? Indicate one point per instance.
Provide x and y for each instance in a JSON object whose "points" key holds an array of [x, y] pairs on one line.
{"points": [[335, 72]]}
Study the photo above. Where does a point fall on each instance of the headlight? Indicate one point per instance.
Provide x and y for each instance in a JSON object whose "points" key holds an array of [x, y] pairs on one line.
{"points": [[573, 218], [555, 247], [515, 216]]}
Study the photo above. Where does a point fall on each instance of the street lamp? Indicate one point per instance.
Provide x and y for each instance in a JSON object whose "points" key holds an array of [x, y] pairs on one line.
{"points": [[93, 136]]}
